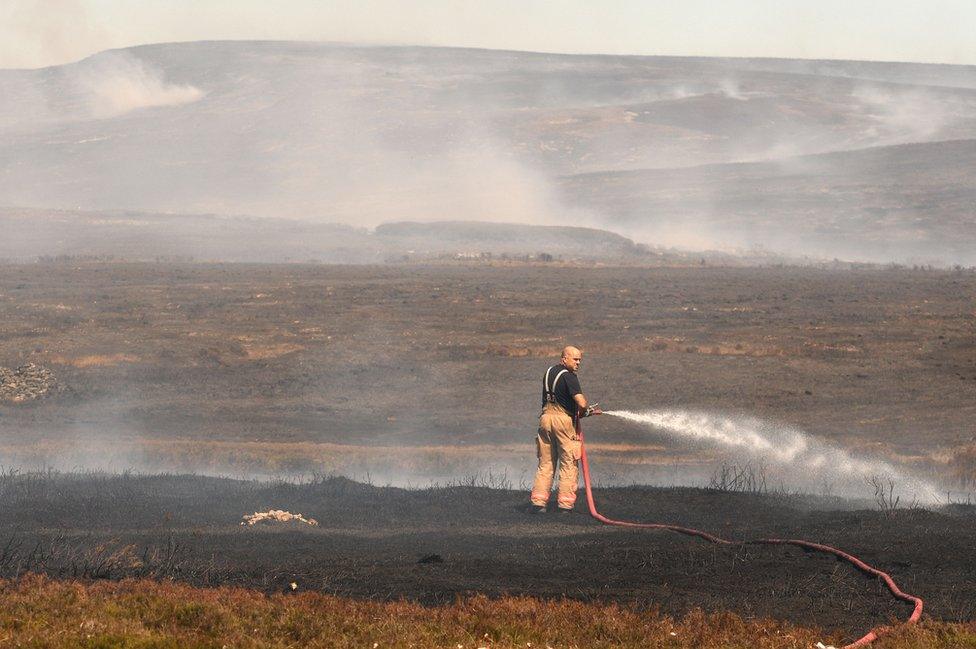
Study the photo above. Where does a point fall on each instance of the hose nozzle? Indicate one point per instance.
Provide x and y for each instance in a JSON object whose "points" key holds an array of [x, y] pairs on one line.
{"points": [[589, 411]]}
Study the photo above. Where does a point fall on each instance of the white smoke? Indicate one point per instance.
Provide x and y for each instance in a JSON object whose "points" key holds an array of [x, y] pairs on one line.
{"points": [[35, 33], [115, 84], [730, 88], [786, 447], [903, 116]]}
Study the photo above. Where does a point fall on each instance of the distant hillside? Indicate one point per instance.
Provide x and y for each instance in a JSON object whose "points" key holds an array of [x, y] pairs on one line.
{"points": [[30, 234], [912, 202], [473, 238], [328, 133], [140, 236]]}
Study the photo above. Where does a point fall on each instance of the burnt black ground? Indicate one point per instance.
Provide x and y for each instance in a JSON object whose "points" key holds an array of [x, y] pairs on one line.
{"points": [[371, 539], [232, 366]]}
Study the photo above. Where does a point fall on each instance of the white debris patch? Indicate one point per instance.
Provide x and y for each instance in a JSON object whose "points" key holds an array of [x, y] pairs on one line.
{"points": [[275, 516]]}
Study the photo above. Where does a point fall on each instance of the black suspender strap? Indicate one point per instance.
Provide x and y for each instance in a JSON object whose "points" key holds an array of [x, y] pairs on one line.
{"points": [[550, 391]]}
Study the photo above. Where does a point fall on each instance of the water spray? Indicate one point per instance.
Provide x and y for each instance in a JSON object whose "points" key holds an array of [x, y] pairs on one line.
{"points": [[784, 446]]}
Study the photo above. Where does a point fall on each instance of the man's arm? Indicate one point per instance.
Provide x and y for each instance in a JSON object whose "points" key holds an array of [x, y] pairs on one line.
{"points": [[573, 387]]}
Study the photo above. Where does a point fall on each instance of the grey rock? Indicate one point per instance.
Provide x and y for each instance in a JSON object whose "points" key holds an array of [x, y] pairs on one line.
{"points": [[26, 383]]}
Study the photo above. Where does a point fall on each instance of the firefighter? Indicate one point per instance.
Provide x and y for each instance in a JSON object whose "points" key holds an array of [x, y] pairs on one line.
{"points": [[557, 442]]}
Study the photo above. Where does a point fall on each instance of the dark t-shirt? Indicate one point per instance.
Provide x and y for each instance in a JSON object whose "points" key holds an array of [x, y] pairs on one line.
{"points": [[567, 387]]}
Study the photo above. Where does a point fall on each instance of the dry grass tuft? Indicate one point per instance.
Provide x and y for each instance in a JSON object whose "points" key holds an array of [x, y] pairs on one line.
{"points": [[263, 352], [95, 360]]}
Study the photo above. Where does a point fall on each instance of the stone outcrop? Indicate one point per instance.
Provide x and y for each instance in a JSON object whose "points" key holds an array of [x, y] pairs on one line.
{"points": [[26, 383]]}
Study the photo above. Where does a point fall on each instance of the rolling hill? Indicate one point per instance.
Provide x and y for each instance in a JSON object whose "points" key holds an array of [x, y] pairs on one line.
{"points": [[704, 152]]}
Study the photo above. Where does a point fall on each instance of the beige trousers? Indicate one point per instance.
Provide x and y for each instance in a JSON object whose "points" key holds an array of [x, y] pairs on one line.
{"points": [[556, 443]]}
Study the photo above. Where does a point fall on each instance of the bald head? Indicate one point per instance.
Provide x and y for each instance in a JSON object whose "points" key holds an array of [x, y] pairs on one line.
{"points": [[571, 358]]}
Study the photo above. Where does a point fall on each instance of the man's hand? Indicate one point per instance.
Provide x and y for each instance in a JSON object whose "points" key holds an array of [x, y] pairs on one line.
{"points": [[591, 410]]}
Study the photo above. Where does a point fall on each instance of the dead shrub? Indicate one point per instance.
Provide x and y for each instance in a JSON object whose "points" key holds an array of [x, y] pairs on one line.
{"points": [[742, 478]]}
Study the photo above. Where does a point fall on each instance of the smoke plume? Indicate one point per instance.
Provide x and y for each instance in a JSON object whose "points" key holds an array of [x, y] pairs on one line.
{"points": [[119, 83]]}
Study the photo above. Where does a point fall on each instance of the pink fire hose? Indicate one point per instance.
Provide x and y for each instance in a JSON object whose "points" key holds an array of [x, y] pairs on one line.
{"points": [[867, 639]]}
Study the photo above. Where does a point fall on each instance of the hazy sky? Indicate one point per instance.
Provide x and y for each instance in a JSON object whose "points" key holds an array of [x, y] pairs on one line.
{"points": [[44, 32]]}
